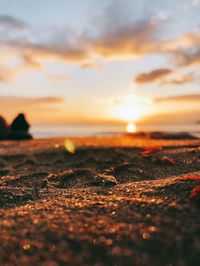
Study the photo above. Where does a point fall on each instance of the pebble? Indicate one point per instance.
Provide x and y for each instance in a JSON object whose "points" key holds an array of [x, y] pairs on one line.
{"points": [[104, 180]]}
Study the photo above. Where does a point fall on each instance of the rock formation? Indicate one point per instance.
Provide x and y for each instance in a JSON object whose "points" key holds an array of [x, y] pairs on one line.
{"points": [[3, 128], [19, 128]]}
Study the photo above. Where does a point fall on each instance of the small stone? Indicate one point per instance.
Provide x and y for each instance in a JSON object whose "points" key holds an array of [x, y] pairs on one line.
{"points": [[104, 180]]}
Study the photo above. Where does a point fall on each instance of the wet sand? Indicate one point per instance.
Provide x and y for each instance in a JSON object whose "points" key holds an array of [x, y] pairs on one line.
{"points": [[112, 202]]}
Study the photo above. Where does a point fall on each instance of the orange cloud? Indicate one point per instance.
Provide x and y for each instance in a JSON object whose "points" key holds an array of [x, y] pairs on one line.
{"points": [[186, 78], [165, 77], [176, 118], [131, 40], [152, 76], [34, 107], [179, 98], [4, 75], [189, 57], [184, 50], [34, 54], [7, 74], [59, 77]]}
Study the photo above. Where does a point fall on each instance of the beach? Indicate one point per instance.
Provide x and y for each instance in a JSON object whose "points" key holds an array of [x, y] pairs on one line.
{"points": [[104, 200]]}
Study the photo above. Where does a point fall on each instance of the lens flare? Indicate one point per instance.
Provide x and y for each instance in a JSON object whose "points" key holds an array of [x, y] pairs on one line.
{"points": [[70, 146]]}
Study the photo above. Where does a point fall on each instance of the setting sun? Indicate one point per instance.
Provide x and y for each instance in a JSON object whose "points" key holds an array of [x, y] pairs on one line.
{"points": [[131, 128]]}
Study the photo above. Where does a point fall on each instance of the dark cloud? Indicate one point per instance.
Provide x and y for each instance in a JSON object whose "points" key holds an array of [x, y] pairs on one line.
{"points": [[10, 22], [152, 76]]}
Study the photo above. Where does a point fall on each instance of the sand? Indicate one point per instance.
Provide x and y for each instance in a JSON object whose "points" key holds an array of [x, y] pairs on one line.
{"points": [[109, 203]]}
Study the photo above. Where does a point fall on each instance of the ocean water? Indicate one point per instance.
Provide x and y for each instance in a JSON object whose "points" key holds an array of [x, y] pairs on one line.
{"points": [[74, 130], [92, 130]]}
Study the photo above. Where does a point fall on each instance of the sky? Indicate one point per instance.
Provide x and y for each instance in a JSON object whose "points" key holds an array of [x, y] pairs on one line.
{"points": [[100, 62]]}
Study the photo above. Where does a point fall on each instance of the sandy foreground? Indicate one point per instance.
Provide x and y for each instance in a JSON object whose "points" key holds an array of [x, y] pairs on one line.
{"points": [[109, 203]]}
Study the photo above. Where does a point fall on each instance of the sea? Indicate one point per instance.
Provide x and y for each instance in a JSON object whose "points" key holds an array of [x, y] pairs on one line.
{"points": [[52, 131]]}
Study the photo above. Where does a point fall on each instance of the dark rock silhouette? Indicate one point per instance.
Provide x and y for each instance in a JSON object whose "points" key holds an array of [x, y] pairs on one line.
{"points": [[3, 128], [19, 128]]}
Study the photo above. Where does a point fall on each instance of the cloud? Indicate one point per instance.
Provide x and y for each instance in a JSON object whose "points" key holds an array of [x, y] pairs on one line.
{"points": [[45, 100], [179, 98], [128, 40], [9, 102], [114, 40], [120, 41], [165, 76], [117, 34], [180, 80], [189, 57], [44, 110], [4, 75], [34, 53], [58, 77], [91, 65], [7, 74], [9, 22], [152, 76], [184, 50], [38, 108], [178, 118]]}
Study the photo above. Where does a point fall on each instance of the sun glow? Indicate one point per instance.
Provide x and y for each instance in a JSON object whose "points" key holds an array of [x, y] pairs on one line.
{"points": [[131, 108], [131, 128]]}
